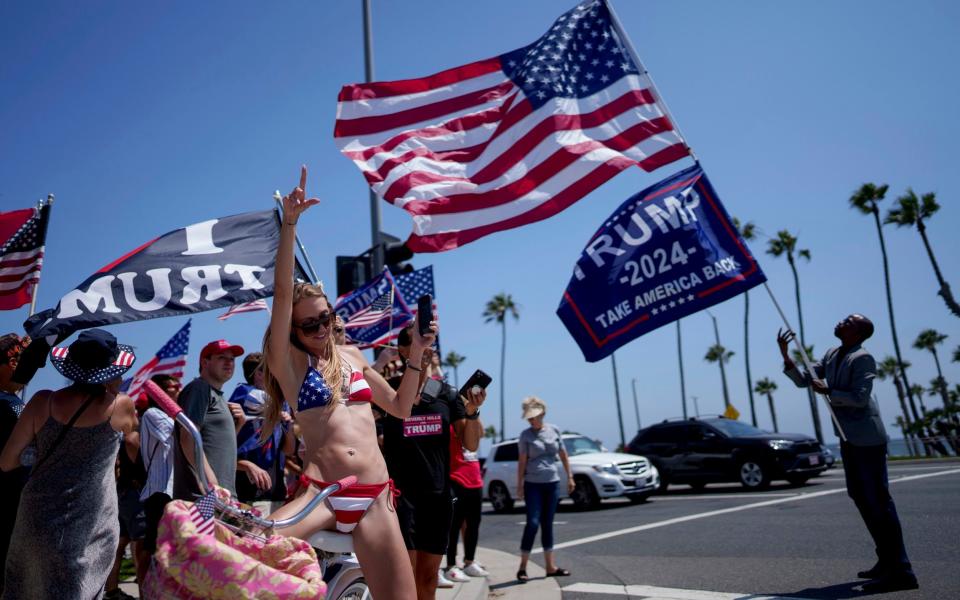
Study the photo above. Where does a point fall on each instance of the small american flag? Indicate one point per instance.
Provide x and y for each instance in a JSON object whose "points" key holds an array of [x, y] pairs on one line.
{"points": [[22, 237], [378, 310], [255, 305], [201, 513], [510, 140], [169, 360]]}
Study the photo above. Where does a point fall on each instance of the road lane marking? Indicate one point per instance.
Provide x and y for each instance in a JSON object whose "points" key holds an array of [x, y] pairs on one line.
{"points": [[723, 511], [649, 591], [708, 496]]}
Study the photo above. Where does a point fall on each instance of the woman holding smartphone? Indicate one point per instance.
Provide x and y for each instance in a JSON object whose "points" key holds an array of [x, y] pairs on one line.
{"points": [[330, 388], [541, 453]]}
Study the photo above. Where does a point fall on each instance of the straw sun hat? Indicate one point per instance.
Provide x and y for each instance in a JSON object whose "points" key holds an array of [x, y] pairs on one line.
{"points": [[533, 407]]}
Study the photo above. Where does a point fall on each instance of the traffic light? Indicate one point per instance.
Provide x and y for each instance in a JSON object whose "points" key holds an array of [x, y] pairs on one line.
{"points": [[352, 272], [394, 253]]}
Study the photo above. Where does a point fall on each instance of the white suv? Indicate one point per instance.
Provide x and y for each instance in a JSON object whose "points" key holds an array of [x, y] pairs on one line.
{"points": [[597, 473]]}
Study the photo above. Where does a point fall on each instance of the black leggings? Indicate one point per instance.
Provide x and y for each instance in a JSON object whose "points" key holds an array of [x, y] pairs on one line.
{"points": [[465, 510]]}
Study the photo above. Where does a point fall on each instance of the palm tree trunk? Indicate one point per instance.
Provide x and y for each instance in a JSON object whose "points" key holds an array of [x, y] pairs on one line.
{"points": [[944, 292], [503, 367], [906, 420], [943, 382], [901, 393], [723, 379], [746, 354], [683, 387], [814, 409], [773, 413], [893, 325], [456, 378]]}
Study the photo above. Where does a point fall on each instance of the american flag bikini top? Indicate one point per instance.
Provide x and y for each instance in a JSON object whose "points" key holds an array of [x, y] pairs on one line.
{"points": [[314, 392]]}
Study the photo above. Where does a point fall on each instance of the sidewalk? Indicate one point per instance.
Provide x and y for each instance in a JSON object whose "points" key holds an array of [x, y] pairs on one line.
{"points": [[501, 585]]}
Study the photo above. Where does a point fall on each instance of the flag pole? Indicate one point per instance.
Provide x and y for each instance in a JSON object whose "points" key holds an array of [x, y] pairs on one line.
{"points": [[657, 96], [278, 197], [805, 359], [43, 249]]}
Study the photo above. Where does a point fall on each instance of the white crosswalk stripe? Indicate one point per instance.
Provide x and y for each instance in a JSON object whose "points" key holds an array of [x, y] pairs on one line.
{"points": [[650, 592]]}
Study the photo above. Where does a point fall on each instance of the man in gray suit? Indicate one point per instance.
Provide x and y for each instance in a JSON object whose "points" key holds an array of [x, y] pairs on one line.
{"points": [[845, 376]]}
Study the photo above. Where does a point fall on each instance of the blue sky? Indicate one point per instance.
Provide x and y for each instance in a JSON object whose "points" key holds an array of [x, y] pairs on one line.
{"points": [[143, 118]]}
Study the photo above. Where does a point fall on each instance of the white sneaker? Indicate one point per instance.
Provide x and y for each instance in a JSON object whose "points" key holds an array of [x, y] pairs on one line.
{"points": [[455, 574], [443, 582], [475, 569]]}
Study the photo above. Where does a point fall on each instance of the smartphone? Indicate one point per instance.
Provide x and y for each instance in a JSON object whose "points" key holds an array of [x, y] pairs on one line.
{"points": [[479, 378], [424, 313]]}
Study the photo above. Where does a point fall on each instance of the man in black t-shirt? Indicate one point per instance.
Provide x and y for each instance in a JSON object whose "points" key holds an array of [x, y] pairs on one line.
{"points": [[417, 451]]}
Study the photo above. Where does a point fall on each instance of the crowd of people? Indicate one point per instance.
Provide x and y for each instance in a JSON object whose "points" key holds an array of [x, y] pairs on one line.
{"points": [[88, 470]]}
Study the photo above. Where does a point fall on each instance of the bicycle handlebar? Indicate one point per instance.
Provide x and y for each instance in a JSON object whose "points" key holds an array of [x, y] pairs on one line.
{"points": [[170, 407]]}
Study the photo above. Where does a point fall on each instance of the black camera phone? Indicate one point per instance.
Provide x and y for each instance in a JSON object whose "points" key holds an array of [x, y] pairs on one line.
{"points": [[424, 314], [479, 378]]}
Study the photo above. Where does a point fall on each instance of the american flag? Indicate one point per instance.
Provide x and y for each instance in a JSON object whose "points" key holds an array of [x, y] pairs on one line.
{"points": [[23, 234], [379, 310], [252, 306], [124, 358], [201, 513], [362, 299], [170, 360], [413, 285], [510, 140]]}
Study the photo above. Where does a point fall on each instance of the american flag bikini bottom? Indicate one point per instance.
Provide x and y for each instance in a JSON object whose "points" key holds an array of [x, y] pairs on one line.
{"points": [[350, 504]]}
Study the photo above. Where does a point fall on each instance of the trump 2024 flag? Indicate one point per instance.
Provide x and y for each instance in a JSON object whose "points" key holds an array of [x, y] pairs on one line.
{"points": [[510, 140], [667, 252]]}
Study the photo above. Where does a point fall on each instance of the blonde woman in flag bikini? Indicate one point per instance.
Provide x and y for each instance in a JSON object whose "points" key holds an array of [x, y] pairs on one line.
{"points": [[329, 388]]}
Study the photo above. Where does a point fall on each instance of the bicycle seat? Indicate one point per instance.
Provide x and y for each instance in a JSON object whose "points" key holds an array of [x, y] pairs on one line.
{"points": [[332, 541]]}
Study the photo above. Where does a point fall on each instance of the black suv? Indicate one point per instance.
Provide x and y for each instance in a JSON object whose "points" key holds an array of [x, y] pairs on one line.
{"points": [[710, 450]]}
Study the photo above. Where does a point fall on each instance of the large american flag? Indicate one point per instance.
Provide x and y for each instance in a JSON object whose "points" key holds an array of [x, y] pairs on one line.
{"points": [[169, 360], [22, 238], [510, 140]]}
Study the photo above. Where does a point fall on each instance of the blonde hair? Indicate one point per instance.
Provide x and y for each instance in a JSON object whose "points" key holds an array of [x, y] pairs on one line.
{"points": [[533, 403], [331, 371]]}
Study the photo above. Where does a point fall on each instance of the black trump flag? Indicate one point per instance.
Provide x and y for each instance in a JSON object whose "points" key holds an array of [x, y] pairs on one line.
{"points": [[204, 266]]}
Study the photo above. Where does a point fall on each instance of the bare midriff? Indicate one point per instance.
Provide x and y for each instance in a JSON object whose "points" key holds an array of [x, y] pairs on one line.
{"points": [[342, 440]]}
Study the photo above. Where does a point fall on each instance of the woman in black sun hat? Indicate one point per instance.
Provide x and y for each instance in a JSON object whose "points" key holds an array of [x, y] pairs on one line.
{"points": [[67, 527]]}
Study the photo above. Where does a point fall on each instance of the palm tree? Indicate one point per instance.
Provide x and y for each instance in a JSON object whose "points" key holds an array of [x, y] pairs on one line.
{"points": [[785, 244], [866, 200], [956, 354], [913, 211], [497, 310], [748, 231], [718, 354], [891, 368], [454, 360], [490, 432], [767, 387], [928, 340]]}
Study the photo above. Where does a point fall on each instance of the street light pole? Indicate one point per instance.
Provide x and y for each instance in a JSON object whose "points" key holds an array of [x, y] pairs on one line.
{"points": [[377, 254], [683, 387], [616, 391], [636, 407]]}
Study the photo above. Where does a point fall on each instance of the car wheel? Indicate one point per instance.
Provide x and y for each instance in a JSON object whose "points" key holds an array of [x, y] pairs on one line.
{"points": [[698, 485], [798, 480], [638, 498], [664, 483], [584, 495], [500, 497], [753, 475]]}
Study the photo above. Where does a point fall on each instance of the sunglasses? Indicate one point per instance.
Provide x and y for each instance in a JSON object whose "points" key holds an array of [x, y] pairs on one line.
{"points": [[311, 326], [338, 329]]}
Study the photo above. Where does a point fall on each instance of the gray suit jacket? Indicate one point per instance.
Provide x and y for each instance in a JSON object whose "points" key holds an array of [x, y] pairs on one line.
{"points": [[851, 384]]}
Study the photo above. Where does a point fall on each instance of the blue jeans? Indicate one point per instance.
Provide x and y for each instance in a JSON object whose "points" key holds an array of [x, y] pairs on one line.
{"points": [[541, 500], [865, 469]]}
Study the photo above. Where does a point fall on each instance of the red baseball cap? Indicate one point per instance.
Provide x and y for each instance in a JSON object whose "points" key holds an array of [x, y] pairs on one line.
{"points": [[220, 347]]}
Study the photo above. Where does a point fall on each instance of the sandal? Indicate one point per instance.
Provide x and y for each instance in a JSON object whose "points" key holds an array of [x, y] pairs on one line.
{"points": [[522, 576], [559, 573]]}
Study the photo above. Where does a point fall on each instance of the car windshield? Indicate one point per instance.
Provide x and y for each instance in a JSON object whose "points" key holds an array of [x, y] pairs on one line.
{"points": [[736, 428], [581, 445]]}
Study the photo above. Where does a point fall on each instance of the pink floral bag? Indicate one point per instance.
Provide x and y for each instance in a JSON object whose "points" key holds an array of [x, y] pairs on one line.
{"points": [[189, 564]]}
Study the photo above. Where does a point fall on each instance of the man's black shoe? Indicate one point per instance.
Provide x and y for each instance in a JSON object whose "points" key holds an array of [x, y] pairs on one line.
{"points": [[892, 583], [874, 572]]}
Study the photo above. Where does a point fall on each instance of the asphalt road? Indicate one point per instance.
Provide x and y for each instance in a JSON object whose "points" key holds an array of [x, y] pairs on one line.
{"points": [[806, 542]]}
